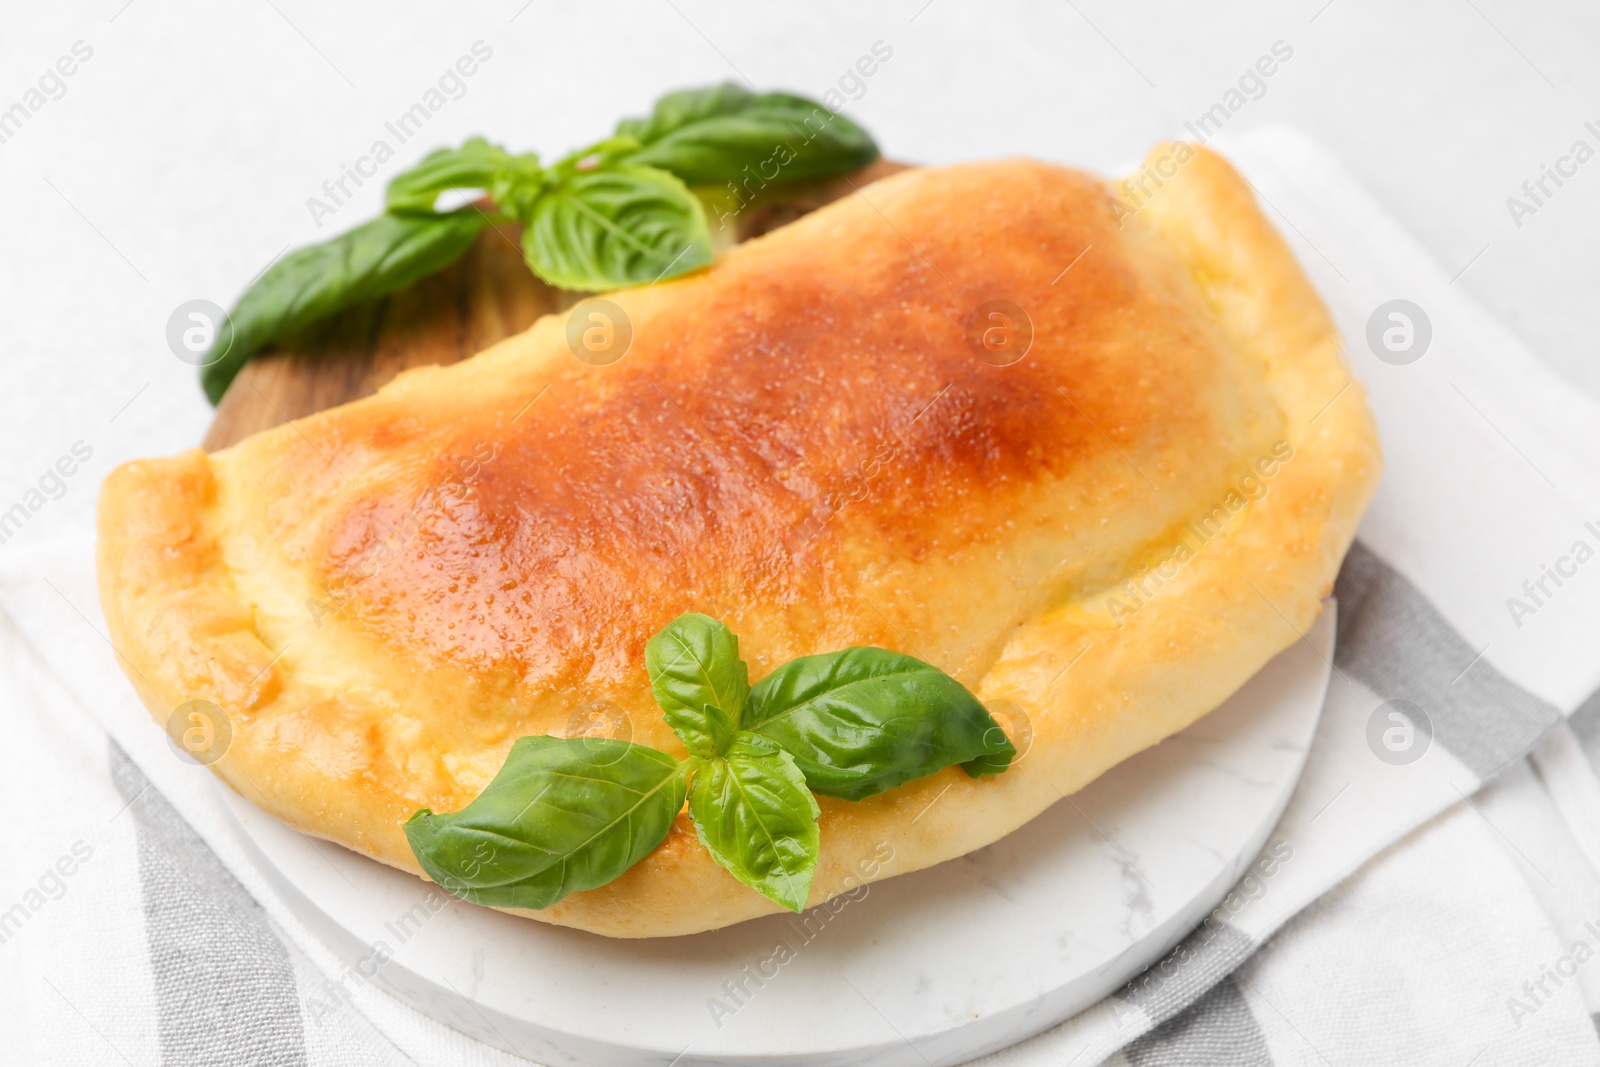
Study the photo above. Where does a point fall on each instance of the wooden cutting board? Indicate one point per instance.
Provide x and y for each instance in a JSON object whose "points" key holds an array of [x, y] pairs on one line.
{"points": [[487, 295]]}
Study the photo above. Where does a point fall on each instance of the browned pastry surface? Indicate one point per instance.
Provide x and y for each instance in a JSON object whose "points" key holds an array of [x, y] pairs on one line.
{"points": [[803, 441]]}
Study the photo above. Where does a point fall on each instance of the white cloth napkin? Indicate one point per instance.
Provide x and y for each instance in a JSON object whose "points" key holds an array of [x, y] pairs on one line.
{"points": [[133, 928]]}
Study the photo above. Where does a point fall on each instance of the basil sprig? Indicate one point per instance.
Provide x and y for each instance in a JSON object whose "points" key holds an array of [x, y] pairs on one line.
{"points": [[570, 814], [613, 214]]}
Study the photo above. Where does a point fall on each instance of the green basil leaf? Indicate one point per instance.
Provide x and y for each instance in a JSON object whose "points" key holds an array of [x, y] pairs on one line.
{"points": [[754, 814], [699, 681], [616, 226], [723, 133], [864, 720], [997, 760], [676, 110], [562, 815], [477, 164], [374, 259]]}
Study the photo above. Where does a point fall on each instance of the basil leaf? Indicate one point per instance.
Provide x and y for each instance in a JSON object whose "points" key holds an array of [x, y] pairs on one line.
{"points": [[511, 180], [699, 681], [562, 815], [754, 814], [376, 258], [721, 134], [615, 226], [676, 110], [997, 760], [864, 720]]}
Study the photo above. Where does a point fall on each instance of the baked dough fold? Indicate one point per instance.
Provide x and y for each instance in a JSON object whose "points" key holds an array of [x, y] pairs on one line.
{"points": [[1102, 539]]}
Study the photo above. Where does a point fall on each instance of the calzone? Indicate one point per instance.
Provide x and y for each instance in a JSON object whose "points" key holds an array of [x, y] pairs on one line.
{"points": [[1089, 449]]}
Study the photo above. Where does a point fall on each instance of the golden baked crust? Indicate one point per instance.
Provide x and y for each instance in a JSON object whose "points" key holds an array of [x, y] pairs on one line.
{"points": [[384, 596]]}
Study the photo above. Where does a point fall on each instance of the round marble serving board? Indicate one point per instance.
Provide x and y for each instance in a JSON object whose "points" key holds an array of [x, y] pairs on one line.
{"points": [[923, 970]]}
